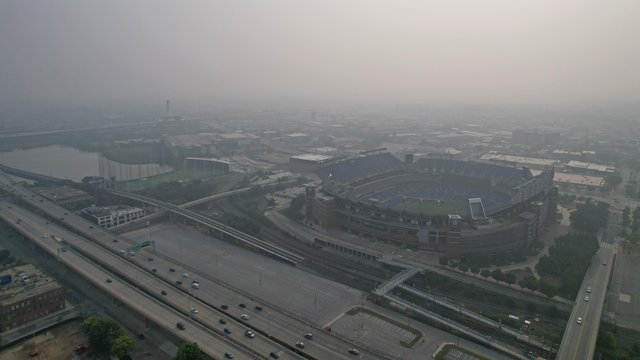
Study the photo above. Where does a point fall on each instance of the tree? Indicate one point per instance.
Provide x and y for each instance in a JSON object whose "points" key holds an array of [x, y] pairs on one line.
{"points": [[529, 282], [607, 340], [613, 180], [122, 345], [547, 289], [190, 351], [510, 278], [101, 333], [497, 274], [4, 254], [626, 217], [475, 270], [443, 260], [485, 273], [590, 216], [463, 267]]}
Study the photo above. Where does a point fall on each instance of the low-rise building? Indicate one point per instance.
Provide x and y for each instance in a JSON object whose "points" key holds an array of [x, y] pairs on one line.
{"points": [[27, 294], [110, 216]]}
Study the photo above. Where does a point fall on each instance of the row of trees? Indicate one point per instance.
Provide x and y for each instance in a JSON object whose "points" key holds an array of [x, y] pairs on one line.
{"points": [[106, 337], [631, 223], [567, 262], [590, 217]]}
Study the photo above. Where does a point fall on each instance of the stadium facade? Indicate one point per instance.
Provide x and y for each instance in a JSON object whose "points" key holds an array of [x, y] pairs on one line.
{"points": [[457, 208]]}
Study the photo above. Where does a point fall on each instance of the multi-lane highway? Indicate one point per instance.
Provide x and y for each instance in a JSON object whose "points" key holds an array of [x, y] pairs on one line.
{"points": [[284, 329], [580, 335], [37, 229]]}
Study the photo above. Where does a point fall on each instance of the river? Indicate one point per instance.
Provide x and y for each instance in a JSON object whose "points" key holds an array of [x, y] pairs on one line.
{"points": [[66, 162]]}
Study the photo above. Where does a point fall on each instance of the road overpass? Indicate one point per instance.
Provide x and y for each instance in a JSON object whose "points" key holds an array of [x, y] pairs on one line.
{"points": [[579, 339], [279, 327], [221, 229]]}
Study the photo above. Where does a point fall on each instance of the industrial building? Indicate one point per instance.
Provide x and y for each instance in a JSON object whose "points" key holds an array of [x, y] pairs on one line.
{"points": [[110, 216], [26, 294]]}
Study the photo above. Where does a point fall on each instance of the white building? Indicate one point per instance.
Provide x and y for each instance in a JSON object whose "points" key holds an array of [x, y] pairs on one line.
{"points": [[110, 216]]}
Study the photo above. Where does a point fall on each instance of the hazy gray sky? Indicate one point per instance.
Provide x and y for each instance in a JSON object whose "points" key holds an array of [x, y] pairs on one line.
{"points": [[489, 51]]}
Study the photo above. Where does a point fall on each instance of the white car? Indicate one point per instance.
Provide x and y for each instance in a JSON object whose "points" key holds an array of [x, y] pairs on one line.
{"points": [[185, 275], [194, 311], [579, 321], [589, 289], [586, 298], [244, 317]]}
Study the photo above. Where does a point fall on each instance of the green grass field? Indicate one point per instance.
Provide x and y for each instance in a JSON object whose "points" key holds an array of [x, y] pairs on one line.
{"points": [[434, 207]]}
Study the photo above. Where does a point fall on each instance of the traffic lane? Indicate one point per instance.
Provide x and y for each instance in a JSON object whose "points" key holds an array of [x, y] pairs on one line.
{"points": [[267, 320], [144, 280], [128, 295], [336, 349], [580, 337]]}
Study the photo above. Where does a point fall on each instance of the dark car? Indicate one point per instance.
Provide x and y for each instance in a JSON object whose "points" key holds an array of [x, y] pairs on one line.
{"points": [[154, 269], [228, 355], [222, 321], [242, 305], [227, 331], [172, 269], [150, 259], [178, 282], [141, 337], [115, 240], [224, 307], [274, 355], [258, 307], [108, 280], [163, 292], [180, 326]]}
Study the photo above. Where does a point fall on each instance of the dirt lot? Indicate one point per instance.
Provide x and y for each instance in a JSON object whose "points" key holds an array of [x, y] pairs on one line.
{"points": [[56, 344]]}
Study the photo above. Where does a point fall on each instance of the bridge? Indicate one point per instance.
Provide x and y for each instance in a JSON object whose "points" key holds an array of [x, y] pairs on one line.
{"points": [[30, 175], [224, 230]]}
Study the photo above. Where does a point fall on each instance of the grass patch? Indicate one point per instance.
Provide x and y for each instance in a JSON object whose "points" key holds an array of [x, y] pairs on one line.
{"points": [[442, 354], [416, 332]]}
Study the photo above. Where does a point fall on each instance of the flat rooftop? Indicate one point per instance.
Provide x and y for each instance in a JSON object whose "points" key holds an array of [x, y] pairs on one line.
{"points": [[578, 179], [61, 193], [590, 166], [27, 281], [520, 159]]}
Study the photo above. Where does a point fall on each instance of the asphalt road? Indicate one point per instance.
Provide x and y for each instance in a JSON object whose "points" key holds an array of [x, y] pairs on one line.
{"points": [[34, 227], [273, 323], [579, 339]]}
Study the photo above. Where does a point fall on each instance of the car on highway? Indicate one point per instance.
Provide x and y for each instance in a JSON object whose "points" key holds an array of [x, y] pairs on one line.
{"points": [[353, 351], [227, 331], [178, 282], [172, 269], [244, 317], [163, 292], [185, 275], [274, 355], [586, 298], [300, 344], [579, 321], [180, 326], [224, 306], [242, 305], [195, 284], [604, 263], [150, 259], [258, 307], [222, 321], [249, 334], [589, 289], [308, 336], [228, 355], [194, 311], [154, 270], [141, 336]]}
